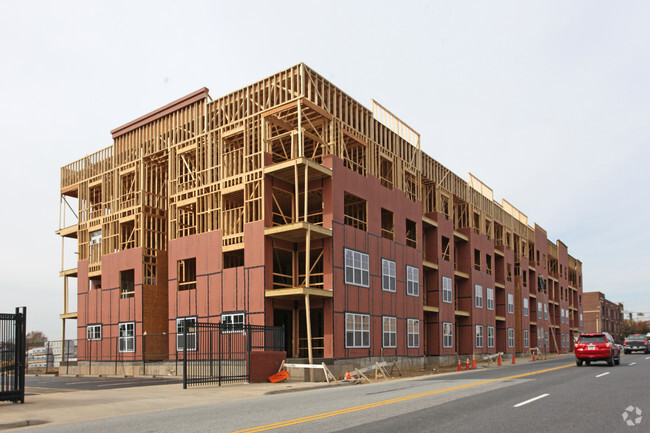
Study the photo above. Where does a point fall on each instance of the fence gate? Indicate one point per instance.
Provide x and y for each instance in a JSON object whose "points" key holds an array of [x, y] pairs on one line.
{"points": [[220, 353], [12, 355]]}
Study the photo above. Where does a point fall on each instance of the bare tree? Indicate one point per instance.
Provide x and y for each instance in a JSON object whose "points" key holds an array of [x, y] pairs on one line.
{"points": [[35, 339]]}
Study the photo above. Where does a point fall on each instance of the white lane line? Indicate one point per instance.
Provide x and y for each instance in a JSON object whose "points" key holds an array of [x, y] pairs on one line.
{"points": [[115, 384], [78, 383], [531, 400], [647, 357], [604, 374], [634, 363]]}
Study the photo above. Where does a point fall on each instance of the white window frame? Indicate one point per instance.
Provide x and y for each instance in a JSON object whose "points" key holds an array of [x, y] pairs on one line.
{"points": [[540, 310], [357, 327], [447, 290], [489, 298], [545, 311], [191, 336], [389, 331], [413, 333], [388, 276], [412, 281], [479, 336], [490, 336], [233, 323], [526, 338], [94, 332], [525, 307], [511, 337], [546, 341], [126, 337], [562, 317], [511, 303], [478, 296], [447, 335], [358, 265]]}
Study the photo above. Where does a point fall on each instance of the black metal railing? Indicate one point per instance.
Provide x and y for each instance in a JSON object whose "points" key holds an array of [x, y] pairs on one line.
{"points": [[216, 353], [12, 355]]}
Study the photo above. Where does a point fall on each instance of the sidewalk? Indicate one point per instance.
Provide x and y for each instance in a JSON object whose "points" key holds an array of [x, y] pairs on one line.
{"points": [[75, 406]]}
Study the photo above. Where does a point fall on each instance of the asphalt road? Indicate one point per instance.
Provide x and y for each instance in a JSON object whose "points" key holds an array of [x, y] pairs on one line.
{"points": [[45, 384], [537, 397]]}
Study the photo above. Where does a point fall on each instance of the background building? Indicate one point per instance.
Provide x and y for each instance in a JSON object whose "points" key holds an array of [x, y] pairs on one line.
{"points": [[288, 203], [603, 315]]}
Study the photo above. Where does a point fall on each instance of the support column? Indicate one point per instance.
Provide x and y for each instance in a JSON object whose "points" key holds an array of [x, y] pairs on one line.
{"points": [[308, 320]]}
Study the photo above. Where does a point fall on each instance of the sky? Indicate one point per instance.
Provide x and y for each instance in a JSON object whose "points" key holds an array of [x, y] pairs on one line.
{"points": [[547, 102]]}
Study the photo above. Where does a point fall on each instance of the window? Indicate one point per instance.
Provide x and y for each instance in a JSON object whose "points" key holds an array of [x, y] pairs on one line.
{"points": [[546, 311], [356, 268], [127, 284], [511, 337], [546, 340], [127, 337], [509, 271], [446, 290], [447, 334], [413, 333], [490, 336], [390, 331], [387, 226], [388, 275], [412, 281], [94, 283], [561, 315], [526, 338], [411, 234], [511, 303], [525, 306], [94, 332], [187, 274], [191, 333], [354, 209], [233, 322], [446, 254], [488, 264], [479, 335], [477, 260], [478, 296], [539, 306], [357, 330], [489, 298]]}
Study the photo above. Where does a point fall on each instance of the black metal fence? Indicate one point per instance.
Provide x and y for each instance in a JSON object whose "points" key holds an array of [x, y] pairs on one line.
{"points": [[217, 353], [12, 355]]}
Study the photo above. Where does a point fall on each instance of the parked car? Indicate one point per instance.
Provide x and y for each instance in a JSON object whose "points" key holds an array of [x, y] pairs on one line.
{"points": [[599, 346], [636, 342]]}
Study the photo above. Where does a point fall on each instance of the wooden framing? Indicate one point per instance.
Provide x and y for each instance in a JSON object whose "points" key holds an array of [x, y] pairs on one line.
{"points": [[199, 165]]}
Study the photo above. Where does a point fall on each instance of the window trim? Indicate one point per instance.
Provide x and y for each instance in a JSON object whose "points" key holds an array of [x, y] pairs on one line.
{"points": [[447, 292], [179, 334], [412, 286], [90, 329], [511, 303], [391, 333], [511, 337], [233, 327], [392, 279], [525, 307], [478, 296], [449, 335], [363, 272], [413, 324], [490, 336], [526, 338], [489, 298], [126, 338], [478, 333], [357, 333]]}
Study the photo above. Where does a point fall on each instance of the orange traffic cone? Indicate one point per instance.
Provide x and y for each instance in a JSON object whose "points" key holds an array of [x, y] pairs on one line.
{"points": [[460, 367], [473, 361], [534, 359], [513, 357], [499, 363], [467, 365], [348, 376]]}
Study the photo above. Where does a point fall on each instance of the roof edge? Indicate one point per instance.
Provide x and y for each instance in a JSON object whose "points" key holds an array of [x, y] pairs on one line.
{"points": [[160, 112]]}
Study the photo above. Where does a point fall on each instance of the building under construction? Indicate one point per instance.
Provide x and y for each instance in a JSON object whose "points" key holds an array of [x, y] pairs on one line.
{"points": [[289, 203]]}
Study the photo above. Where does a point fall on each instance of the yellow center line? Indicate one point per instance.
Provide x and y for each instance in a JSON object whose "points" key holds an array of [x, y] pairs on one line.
{"points": [[391, 401]]}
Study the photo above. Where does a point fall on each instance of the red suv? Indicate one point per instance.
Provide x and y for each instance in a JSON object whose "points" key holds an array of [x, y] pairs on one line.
{"points": [[599, 346]]}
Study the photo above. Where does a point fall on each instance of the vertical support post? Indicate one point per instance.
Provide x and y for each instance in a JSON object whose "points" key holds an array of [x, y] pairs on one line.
{"points": [[301, 141], [184, 353], [306, 189], [308, 320], [296, 192]]}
